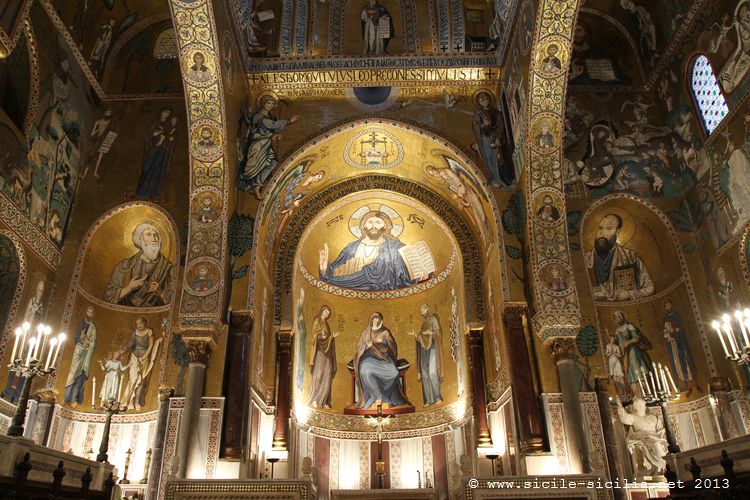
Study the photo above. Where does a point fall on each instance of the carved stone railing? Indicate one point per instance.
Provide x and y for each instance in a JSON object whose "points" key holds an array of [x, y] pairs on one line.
{"points": [[281, 489], [709, 458], [45, 460]]}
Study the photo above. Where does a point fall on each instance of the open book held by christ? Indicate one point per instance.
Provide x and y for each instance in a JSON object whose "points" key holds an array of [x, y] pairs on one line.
{"points": [[418, 259]]}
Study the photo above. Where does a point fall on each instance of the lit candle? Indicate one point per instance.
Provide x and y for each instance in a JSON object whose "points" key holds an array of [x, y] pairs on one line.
{"points": [[39, 333], [25, 327], [45, 337], [93, 394], [671, 380], [728, 332], [658, 380], [19, 331], [32, 343], [60, 339], [738, 316], [716, 326], [52, 344]]}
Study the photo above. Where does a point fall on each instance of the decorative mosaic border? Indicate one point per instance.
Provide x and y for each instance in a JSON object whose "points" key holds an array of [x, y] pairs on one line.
{"points": [[31, 110], [406, 426], [29, 233], [73, 47], [10, 322], [74, 289], [8, 40], [196, 31], [672, 233], [558, 315], [744, 265], [388, 294]]}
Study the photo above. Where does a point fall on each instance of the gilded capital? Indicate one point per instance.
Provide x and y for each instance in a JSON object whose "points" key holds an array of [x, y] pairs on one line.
{"points": [[563, 349], [719, 384], [601, 384], [165, 392], [46, 396], [198, 350], [285, 340]]}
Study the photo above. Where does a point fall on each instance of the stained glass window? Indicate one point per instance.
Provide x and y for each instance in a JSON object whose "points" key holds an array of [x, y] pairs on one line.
{"points": [[708, 96]]}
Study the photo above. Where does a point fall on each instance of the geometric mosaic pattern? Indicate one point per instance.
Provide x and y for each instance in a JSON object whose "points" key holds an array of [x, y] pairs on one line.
{"points": [[711, 103]]}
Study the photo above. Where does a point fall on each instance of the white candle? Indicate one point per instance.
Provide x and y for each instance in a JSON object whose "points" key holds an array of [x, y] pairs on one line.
{"points": [[645, 379], [653, 383], [663, 377], [717, 327], [39, 333], [32, 343], [674, 387], [728, 332], [52, 344], [93, 394], [640, 384], [658, 380], [60, 339], [738, 316], [15, 344]]}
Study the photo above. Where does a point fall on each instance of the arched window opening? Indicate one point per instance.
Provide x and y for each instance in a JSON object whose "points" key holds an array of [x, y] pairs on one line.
{"points": [[707, 94]]}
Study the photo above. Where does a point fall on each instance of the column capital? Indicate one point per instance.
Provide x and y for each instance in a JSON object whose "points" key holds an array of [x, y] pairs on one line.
{"points": [[165, 392], [514, 315], [719, 383], [563, 349], [284, 337], [199, 350], [46, 396], [601, 384]]}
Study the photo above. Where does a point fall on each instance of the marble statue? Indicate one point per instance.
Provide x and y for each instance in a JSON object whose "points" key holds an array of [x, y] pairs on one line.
{"points": [[646, 439]]}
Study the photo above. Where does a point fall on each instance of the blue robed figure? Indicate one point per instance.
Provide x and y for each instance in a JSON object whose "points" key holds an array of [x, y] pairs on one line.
{"points": [[371, 263], [375, 370]]}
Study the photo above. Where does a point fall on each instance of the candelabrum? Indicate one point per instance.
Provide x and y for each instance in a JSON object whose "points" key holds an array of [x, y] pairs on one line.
{"points": [[26, 363], [111, 407], [736, 347], [658, 389]]}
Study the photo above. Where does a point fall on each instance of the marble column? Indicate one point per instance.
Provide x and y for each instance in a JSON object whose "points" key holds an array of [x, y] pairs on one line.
{"points": [[283, 359], [612, 445], [719, 388], [236, 386], [525, 401], [45, 404], [476, 358], [199, 351], [157, 447], [575, 432]]}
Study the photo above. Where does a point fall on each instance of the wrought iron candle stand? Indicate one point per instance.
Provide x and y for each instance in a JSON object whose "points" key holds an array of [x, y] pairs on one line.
{"points": [[111, 407], [736, 346], [28, 370], [29, 349]]}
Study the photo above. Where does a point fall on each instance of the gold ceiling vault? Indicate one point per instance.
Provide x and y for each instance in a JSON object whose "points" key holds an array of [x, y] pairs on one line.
{"points": [[557, 314], [197, 37]]}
